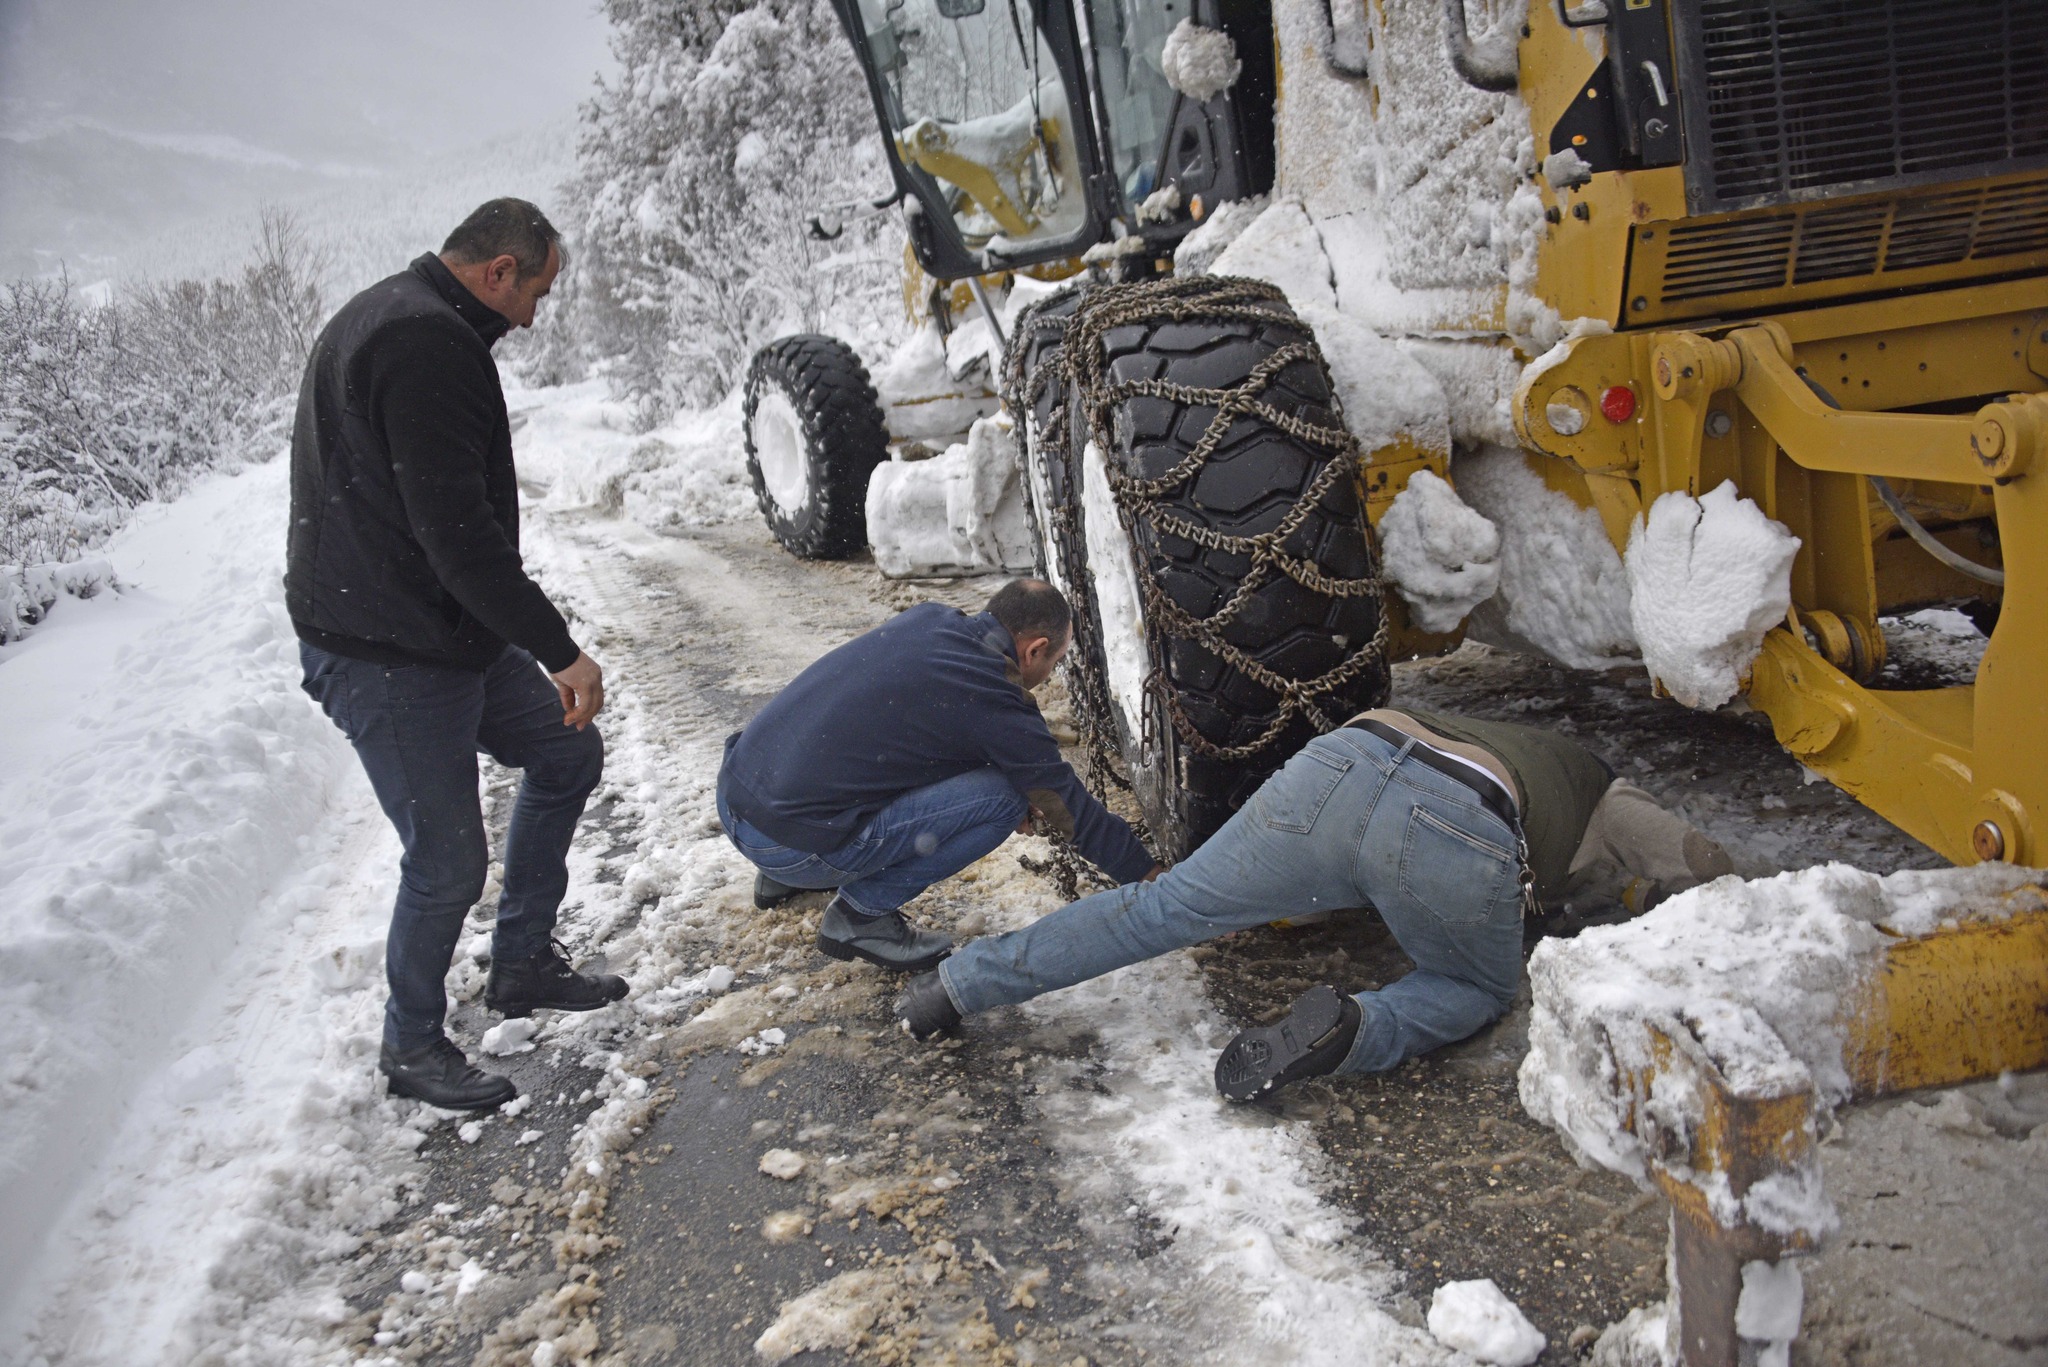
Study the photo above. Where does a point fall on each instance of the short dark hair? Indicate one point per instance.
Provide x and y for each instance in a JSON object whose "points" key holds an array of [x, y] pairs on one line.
{"points": [[505, 227], [1032, 607]]}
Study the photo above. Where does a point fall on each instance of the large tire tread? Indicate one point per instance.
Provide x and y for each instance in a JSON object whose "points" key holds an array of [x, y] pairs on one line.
{"points": [[845, 436], [1254, 477]]}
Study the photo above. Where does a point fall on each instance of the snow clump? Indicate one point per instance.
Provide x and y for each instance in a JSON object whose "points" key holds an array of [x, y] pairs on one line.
{"points": [[1198, 251], [1441, 555], [513, 1036], [1474, 1317], [837, 1314], [1201, 63], [921, 398], [765, 1043], [1773, 1295], [783, 1164], [959, 513], [1563, 592], [1707, 578], [1282, 247]]}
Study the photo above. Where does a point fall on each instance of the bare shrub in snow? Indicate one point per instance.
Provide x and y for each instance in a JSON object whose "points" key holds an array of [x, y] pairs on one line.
{"points": [[701, 162], [104, 408]]}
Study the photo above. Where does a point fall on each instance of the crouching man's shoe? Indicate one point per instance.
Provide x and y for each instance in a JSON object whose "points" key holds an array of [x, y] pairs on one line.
{"points": [[769, 893], [886, 941], [546, 982], [925, 1009], [440, 1075], [1310, 1041]]}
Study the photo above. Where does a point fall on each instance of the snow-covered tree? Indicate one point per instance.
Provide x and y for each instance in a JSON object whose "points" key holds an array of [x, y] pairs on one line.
{"points": [[104, 406], [726, 128]]}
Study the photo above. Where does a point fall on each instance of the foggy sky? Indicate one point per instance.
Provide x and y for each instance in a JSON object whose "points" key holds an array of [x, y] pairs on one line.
{"points": [[322, 83]]}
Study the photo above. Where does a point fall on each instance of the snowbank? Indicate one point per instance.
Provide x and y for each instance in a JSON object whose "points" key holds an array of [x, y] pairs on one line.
{"points": [[161, 778], [1563, 591], [958, 513], [583, 449], [1707, 578], [1762, 973], [1441, 555]]}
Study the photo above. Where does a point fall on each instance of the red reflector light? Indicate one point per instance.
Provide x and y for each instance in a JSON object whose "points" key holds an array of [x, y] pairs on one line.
{"points": [[1618, 402]]}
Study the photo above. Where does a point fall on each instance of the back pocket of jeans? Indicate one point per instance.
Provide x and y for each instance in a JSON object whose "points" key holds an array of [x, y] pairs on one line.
{"points": [[1293, 798], [1458, 876]]}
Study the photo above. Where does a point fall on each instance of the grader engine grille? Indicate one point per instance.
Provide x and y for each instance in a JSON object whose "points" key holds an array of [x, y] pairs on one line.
{"points": [[1789, 100], [1786, 256]]}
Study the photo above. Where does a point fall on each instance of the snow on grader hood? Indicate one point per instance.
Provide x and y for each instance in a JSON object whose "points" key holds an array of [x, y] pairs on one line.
{"points": [[1583, 264]]}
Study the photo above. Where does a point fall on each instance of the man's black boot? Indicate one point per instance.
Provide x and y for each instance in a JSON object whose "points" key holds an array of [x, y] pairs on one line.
{"points": [[546, 982], [886, 941], [925, 1008], [769, 893], [1310, 1041], [440, 1075]]}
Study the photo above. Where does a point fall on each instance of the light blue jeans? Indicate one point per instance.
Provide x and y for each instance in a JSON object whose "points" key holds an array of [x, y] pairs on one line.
{"points": [[926, 835], [1350, 821]]}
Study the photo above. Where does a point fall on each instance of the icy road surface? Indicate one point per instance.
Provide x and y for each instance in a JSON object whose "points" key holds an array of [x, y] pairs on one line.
{"points": [[744, 1161]]}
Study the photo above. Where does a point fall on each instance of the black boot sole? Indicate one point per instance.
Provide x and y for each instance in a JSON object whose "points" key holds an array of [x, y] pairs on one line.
{"points": [[833, 949], [1267, 1055], [399, 1088], [774, 900]]}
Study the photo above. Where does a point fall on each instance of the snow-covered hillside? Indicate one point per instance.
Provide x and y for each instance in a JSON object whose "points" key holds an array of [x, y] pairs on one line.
{"points": [[368, 226]]}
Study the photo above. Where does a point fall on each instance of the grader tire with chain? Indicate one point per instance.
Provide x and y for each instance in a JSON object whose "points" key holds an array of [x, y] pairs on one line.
{"points": [[814, 434], [1237, 510]]}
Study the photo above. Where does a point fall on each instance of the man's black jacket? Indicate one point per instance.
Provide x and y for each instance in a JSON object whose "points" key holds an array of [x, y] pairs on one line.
{"points": [[404, 543]]}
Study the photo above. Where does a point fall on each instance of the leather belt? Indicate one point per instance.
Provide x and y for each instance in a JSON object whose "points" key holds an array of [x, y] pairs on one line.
{"points": [[1490, 794]]}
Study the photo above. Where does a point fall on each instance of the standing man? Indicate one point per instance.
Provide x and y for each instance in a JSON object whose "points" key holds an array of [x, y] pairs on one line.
{"points": [[419, 630], [1451, 828], [902, 757]]}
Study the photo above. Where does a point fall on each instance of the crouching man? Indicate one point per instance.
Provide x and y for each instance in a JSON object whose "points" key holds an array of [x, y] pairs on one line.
{"points": [[1451, 828], [902, 757]]}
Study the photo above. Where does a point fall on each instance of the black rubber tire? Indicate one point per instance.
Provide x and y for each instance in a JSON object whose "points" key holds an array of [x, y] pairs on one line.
{"points": [[1253, 478], [843, 439]]}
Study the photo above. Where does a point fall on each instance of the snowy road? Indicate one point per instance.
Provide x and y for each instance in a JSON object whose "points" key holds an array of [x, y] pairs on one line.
{"points": [[744, 1161]]}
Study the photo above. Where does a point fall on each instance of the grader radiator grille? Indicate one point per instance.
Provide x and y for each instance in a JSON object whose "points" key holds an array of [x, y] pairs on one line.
{"points": [[1825, 251], [1790, 100]]}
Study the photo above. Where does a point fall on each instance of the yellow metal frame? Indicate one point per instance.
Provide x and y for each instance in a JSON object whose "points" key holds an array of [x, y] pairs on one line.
{"points": [[1963, 769], [1965, 1002]]}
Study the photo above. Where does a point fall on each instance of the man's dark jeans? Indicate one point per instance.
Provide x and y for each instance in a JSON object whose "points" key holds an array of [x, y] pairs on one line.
{"points": [[418, 730]]}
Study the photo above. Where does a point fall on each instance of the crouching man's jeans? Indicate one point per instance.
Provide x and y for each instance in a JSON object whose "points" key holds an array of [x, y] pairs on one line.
{"points": [[923, 837], [418, 730], [1350, 821]]}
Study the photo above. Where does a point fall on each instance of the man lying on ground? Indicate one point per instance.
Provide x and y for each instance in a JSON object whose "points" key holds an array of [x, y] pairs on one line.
{"points": [[902, 757], [1450, 828]]}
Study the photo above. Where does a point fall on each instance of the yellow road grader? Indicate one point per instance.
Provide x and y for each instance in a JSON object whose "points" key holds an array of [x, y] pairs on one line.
{"points": [[1572, 257], [1799, 245]]}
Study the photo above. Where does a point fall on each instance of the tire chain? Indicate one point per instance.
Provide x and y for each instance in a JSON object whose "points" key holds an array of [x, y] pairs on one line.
{"points": [[1081, 369], [1087, 689]]}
